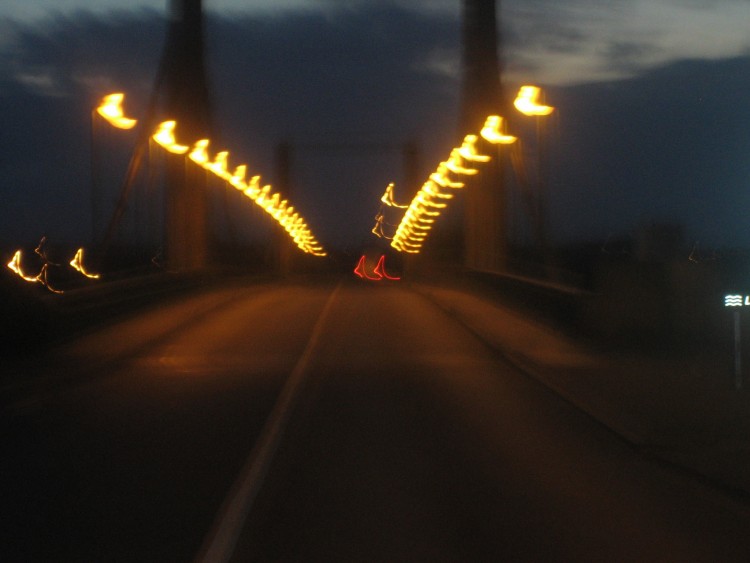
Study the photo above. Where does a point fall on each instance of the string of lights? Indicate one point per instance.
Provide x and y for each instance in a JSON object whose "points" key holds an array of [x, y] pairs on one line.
{"points": [[272, 203], [433, 197]]}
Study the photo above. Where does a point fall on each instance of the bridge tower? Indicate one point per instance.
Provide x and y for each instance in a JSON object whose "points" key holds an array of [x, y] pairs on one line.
{"points": [[183, 86], [485, 230], [180, 92]]}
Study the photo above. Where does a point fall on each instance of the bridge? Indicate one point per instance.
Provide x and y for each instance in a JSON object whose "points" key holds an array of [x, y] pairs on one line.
{"points": [[430, 398]]}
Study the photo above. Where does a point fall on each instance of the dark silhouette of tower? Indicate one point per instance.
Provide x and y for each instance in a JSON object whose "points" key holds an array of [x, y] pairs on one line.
{"points": [[180, 93], [182, 87], [485, 244]]}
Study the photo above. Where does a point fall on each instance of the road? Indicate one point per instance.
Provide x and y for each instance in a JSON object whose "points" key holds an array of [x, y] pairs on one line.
{"points": [[342, 421]]}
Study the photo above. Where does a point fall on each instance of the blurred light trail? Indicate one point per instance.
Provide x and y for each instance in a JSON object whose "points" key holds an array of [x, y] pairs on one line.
{"points": [[424, 210], [493, 131], [455, 164], [361, 271], [253, 188], [441, 177], [164, 135], [199, 154], [527, 102], [41, 277], [15, 265], [380, 269], [279, 209], [237, 179], [219, 165], [468, 150], [377, 230], [433, 196], [110, 109], [388, 197], [77, 263]]}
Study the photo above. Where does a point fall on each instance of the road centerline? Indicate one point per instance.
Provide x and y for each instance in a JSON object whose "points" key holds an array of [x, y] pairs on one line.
{"points": [[222, 538]]}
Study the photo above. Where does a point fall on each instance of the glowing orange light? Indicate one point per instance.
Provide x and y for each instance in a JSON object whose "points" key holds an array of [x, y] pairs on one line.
{"points": [[287, 218], [41, 277], [282, 213], [493, 131], [238, 178], [263, 195], [435, 193], [219, 165], [433, 190], [527, 102], [77, 263], [199, 154], [377, 230], [15, 265], [110, 109], [468, 150], [253, 188], [164, 135], [388, 197], [441, 177], [456, 165], [271, 203], [425, 198]]}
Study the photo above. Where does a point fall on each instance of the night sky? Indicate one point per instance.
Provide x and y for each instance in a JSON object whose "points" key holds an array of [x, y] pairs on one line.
{"points": [[652, 122]]}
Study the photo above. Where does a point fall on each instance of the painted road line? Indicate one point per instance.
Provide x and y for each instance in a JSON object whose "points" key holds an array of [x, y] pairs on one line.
{"points": [[222, 539]]}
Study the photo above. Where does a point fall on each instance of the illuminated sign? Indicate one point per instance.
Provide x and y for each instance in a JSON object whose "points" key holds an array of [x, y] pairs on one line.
{"points": [[736, 300]]}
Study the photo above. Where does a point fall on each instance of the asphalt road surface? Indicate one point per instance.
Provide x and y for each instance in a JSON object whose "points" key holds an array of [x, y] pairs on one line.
{"points": [[325, 422]]}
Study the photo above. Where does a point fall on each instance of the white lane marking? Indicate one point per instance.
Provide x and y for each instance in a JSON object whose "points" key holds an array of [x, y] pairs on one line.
{"points": [[222, 539]]}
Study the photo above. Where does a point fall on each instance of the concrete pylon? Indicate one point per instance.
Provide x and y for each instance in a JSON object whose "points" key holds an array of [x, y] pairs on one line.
{"points": [[485, 201], [184, 87]]}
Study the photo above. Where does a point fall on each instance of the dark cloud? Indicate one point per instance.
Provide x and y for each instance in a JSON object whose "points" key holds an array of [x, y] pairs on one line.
{"points": [[50, 79], [69, 49], [626, 57], [543, 34], [526, 45], [668, 146]]}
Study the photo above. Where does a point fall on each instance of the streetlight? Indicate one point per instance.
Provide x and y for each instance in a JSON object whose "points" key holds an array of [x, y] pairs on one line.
{"points": [[164, 135], [110, 110], [529, 102], [493, 131]]}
